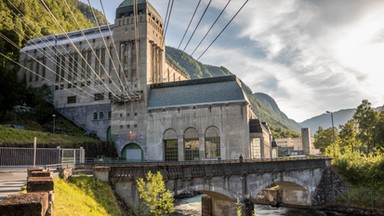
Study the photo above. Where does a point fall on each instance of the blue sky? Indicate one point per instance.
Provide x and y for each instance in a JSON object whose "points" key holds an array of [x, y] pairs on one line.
{"points": [[310, 56]]}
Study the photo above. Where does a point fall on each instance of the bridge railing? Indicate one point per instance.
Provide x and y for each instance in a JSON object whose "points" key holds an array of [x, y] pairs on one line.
{"points": [[195, 169]]}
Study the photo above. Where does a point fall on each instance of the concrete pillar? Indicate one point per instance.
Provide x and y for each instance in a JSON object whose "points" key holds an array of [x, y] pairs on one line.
{"points": [[130, 62], [102, 173], [180, 144], [206, 206]]}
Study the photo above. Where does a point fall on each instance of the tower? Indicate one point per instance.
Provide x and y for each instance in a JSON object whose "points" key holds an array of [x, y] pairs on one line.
{"points": [[306, 140], [139, 37]]}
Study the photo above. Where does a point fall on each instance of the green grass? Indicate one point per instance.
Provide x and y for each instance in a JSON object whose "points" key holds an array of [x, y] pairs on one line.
{"points": [[84, 195], [11, 135]]}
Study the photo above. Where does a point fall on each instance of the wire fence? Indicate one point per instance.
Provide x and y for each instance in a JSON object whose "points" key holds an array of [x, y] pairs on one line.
{"points": [[363, 196], [11, 156]]}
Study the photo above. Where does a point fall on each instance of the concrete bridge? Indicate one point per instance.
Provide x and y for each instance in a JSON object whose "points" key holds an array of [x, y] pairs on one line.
{"points": [[296, 181]]}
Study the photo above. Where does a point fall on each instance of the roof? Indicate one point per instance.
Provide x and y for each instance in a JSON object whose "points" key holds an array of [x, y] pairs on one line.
{"points": [[62, 39], [127, 3], [195, 92], [255, 126]]}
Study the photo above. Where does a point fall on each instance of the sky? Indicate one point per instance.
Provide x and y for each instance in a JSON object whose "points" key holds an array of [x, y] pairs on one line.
{"points": [[311, 56]]}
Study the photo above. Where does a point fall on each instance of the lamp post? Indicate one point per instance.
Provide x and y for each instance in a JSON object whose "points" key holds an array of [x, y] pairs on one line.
{"points": [[54, 122], [333, 126]]}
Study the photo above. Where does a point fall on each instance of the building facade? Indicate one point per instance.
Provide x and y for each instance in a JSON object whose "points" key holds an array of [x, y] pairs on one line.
{"points": [[298, 146], [114, 81]]}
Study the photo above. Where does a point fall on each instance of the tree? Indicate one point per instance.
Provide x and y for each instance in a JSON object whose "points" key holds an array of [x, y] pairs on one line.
{"points": [[324, 138], [378, 131], [365, 117], [348, 135], [156, 197]]}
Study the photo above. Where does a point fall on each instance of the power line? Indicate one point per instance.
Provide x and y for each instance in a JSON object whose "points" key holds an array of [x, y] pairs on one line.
{"points": [[217, 18], [32, 57], [53, 60], [114, 47], [25, 68], [197, 26], [169, 18], [189, 24], [223, 29], [102, 37], [70, 40]]}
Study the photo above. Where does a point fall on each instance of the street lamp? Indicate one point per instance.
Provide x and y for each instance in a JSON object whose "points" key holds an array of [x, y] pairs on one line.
{"points": [[54, 118], [333, 126]]}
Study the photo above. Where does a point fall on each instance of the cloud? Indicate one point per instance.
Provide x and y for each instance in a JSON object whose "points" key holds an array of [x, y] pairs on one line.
{"points": [[309, 55], [320, 55]]}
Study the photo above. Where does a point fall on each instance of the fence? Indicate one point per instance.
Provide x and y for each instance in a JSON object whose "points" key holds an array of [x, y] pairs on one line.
{"points": [[10, 156]]}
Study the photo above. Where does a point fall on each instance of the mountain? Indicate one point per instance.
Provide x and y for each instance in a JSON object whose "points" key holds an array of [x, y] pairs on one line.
{"points": [[193, 68], [324, 120], [264, 106], [29, 19]]}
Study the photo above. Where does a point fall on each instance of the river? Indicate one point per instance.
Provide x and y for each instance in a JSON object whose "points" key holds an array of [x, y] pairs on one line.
{"points": [[192, 207]]}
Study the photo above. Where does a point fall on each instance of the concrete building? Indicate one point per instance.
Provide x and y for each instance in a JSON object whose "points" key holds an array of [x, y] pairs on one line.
{"points": [[114, 81], [298, 146]]}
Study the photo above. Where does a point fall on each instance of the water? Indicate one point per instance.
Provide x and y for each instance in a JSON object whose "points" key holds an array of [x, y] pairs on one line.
{"points": [[192, 207], [265, 210]]}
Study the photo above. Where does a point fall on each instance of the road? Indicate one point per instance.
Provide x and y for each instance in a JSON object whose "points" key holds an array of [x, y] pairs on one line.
{"points": [[11, 182]]}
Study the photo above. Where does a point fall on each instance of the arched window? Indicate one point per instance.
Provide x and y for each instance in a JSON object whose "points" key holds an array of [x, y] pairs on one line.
{"points": [[212, 143], [191, 144], [95, 116], [170, 145], [101, 115]]}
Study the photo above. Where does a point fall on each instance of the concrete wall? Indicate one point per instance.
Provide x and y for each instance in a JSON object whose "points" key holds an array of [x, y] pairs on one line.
{"points": [[230, 119], [84, 117]]}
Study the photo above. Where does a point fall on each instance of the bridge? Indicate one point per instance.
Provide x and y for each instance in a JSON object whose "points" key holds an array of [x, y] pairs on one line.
{"points": [[297, 181]]}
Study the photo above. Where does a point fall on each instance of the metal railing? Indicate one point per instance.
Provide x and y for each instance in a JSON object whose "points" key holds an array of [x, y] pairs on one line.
{"points": [[13, 156]]}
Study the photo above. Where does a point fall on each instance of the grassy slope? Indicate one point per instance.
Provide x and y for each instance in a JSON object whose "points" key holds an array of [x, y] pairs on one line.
{"points": [[84, 195], [26, 136]]}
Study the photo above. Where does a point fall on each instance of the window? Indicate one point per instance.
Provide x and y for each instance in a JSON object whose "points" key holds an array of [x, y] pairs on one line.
{"points": [[191, 144], [255, 148], [170, 145], [71, 99], [212, 143], [109, 115], [98, 97], [101, 115], [95, 116]]}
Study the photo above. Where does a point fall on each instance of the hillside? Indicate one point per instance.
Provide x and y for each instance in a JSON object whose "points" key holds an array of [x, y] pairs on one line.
{"points": [[29, 19], [265, 106], [324, 120]]}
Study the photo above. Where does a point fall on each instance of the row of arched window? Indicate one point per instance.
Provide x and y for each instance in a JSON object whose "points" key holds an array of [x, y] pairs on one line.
{"points": [[100, 115], [191, 144]]}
